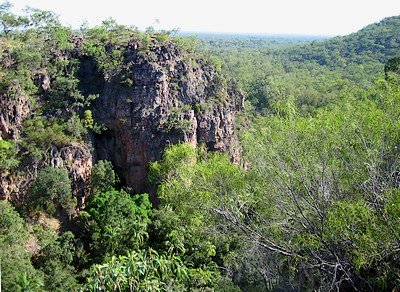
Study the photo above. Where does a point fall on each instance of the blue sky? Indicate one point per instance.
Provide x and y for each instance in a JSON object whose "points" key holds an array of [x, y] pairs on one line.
{"points": [[306, 17]]}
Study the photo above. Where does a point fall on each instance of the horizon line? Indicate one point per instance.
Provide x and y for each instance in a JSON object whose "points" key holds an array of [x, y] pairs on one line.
{"points": [[259, 34]]}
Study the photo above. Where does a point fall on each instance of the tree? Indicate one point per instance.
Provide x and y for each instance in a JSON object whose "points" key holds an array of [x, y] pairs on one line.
{"points": [[149, 270], [103, 177], [321, 185], [56, 257], [8, 158], [42, 21], [393, 65], [8, 20], [139, 271], [51, 191], [117, 221], [194, 186], [392, 70], [17, 272]]}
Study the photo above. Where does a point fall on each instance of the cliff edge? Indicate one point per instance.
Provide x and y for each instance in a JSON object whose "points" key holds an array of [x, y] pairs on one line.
{"points": [[164, 96]]}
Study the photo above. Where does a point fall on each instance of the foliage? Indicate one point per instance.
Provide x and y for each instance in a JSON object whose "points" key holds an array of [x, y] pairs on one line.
{"points": [[103, 177], [328, 177], [178, 119], [118, 222], [374, 42], [148, 270], [64, 93], [393, 65], [188, 44], [51, 191], [56, 258], [106, 44], [8, 20], [139, 271], [317, 207], [194, 187], [312, 205], [310, 73], [40, 133], [88, 119], [17, 272], [8, 159], [77, 128]]}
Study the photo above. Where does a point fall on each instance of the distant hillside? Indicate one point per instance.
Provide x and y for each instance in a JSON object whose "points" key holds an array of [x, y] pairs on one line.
{"points": [[254, 41], [376, 42], [310, 73]]}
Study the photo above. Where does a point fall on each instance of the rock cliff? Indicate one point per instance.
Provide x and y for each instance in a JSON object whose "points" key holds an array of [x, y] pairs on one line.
{"points": [[15, 106], [158, 95], [172, 97]]}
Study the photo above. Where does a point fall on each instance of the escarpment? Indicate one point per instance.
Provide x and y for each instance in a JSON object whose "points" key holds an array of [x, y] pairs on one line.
{"points": [[153, 95], [171, 97]]}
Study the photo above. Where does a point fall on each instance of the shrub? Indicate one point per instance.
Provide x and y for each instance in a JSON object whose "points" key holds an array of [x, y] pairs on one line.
{"points": [[52, 190], [8, 153], [17, 272], [103, 177], [118, 222]]}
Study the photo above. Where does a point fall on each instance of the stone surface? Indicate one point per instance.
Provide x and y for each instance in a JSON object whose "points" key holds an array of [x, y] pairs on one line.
{"points": [[160, 96], [77, 159], [174, 98], [13, 110]]}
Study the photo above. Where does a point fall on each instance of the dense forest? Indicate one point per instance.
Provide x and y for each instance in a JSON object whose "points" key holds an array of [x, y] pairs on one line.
{"points": [[309, 199]]}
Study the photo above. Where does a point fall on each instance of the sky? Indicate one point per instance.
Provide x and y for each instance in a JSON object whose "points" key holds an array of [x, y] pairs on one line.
{"points": [[304, 17]]}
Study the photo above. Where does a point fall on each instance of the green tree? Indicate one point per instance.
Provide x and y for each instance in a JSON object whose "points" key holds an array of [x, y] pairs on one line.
{"points": [[51, 191], [321, 184], [17, 272], [139, 271], [56, 257], [117, 221], [149, 270], [103, 177], [40, 133], [8, 20], [8, 159], [195, 188]]}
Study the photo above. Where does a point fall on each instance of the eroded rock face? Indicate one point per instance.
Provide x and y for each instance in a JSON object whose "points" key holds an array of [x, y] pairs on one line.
{"points": [[171, 98], [77, 158], [13, 111], [15, 108], [158, 97]]}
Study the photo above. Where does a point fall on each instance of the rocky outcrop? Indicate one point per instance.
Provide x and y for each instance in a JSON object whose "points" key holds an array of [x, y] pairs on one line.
{"points": [[172, 97], [77, 158], [158, 96], [15, 106]]}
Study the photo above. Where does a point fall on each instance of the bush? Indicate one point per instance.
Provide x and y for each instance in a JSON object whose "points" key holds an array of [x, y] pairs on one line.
{"points": [[75, 127], [103, 177], [56, 257], [51, 191], [17, 272], [8, 153], [118, 222], [41, 133]]}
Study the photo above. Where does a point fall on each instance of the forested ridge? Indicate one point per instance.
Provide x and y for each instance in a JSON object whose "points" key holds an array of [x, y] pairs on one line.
{"points": [[311, 75], [309, 200]]}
